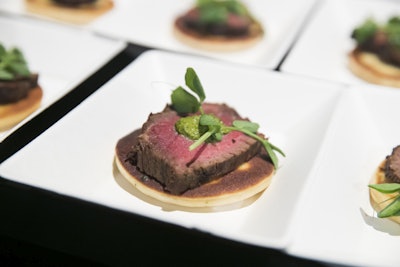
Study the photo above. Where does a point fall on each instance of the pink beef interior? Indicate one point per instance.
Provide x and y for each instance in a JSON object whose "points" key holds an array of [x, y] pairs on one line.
{"points": [[164, 154]]}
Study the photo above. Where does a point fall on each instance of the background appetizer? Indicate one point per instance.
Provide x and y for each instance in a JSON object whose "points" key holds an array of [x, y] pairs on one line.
{"points": [[72, 11], [225, 25], [376, 56], [385, 187], [20, 94]]}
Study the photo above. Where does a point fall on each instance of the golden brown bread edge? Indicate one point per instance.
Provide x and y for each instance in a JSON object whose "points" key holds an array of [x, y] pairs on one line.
{"points": [[246, 181], [78, 15], [370, 68], [380, 200], [12, 113]]}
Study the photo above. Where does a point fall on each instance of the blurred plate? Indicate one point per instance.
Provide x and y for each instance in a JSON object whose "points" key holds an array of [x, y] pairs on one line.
{"points": [[335, 221], [322, 49], [293, 112], [62, 56], [150, 23]]}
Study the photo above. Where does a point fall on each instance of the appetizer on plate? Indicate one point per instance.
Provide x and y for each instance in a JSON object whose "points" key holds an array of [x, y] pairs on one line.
{"points": [[20, 94], [219, 25], [197, 154], [71, 11], [376, 56], [385, 187]]}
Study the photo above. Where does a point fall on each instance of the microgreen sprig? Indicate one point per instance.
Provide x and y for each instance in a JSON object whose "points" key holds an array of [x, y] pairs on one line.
{"points": [[184, 102], [393, 209], [212, 11], [12, 64]]}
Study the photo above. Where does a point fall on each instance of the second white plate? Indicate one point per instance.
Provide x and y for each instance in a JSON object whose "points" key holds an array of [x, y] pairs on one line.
{"points": [[150, 23]]}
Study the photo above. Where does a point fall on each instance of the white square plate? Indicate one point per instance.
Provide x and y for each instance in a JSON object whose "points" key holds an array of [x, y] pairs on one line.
{"points": [[323, 47], [293, 112], [150, 23], [335, 221], [62, 56]]}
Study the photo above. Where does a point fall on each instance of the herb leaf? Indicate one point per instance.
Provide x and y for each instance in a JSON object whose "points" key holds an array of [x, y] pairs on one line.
{"points": [[12, 64], [386, 188], [210, 127], [365, 31], [193, 82], [393, 209], [250, 126], [184, 102]]}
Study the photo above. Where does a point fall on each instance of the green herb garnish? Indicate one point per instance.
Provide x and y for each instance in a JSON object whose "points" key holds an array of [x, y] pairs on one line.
{"points": [[12, 64], [393, 209], [206, 127], [366, 31], [217, 11]]}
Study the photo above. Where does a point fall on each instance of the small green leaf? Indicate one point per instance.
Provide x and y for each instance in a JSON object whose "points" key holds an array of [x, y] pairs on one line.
{"points": [[249, 126], [12, 64], [386, 188], [210, 120], [365, 31], [19, 69], [193, 82], [393, 209], [6, 75], [184, 102], [2, 51]]}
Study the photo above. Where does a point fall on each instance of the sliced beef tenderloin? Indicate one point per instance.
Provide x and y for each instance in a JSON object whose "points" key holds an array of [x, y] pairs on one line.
{"points": [[164, 154], [392, 166], [13, 90], [73, 3], [235, 25]]}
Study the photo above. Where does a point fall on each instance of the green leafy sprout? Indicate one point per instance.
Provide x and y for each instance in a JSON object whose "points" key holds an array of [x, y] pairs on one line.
{"points": [[217, 11], [370, 27], [12, 64], [207, 127], [393, 209]]}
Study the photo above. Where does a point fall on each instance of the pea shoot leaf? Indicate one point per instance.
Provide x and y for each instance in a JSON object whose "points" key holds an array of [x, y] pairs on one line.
{"points": [[193, 82], [386, 188], [393, 209], [250, 126], [184, 102], [12, 64]]}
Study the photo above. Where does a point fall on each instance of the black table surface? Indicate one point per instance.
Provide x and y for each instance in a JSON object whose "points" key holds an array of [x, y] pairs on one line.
{"points": [[42, 228]]}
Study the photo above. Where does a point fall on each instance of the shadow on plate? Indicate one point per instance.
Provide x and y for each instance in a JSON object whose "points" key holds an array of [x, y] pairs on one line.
{"points": [[381, 224]]}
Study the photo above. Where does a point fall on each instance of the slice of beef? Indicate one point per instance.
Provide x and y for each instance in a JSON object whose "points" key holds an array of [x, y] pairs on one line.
{"points": [[13, 90], [392, 166], [235, 25], [73, 3], [379, 45], [164, 154]]}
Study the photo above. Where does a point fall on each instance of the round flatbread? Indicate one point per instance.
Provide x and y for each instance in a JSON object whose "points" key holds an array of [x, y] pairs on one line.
{"points": [[217, 43], [83, 14], [370, 68], [13, 113], [380, 200], [246, 181]]}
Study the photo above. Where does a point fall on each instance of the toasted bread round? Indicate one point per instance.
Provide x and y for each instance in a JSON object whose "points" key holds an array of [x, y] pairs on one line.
{"points": [[380, 200], [217, 43], [13, 113], [370, 68], [83, 14], [246, 181]]}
